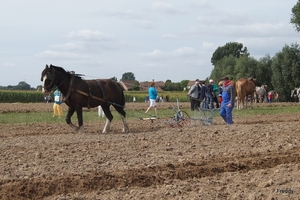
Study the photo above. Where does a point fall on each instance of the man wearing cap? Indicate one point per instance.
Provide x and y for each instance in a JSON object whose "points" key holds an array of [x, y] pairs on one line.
{"points": [[228, 99], [193, 94], [210, 94]]}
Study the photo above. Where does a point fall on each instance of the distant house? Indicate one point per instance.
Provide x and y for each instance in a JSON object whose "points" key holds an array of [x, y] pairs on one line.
{"points": [[126, 84], [158, 85], [191, 83]]}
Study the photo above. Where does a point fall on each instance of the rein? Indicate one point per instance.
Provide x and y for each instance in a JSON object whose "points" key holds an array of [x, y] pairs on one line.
{"points": [[97, 98], [90, 95]]}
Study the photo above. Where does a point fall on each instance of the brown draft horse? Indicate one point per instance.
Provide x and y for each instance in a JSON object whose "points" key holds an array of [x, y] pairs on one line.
{"points": [[245, 87], [79, 93]]}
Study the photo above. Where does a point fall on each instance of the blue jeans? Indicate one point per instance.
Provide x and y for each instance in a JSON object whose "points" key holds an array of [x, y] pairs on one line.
{"points": [[210, 101], [226, 113]]}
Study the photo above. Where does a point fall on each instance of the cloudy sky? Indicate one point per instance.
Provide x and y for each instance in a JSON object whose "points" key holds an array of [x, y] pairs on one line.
{"points": [[158, 40]]}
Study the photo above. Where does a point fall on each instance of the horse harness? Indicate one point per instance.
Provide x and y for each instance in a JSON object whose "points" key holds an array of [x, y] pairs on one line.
{"points": [[89, 95]]}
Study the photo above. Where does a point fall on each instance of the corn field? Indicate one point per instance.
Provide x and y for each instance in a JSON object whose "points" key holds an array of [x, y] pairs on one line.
{"points": [[13, 96]]}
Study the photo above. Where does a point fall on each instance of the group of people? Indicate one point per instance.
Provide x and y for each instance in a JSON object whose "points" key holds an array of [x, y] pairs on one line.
{"points": [[205, 96]]}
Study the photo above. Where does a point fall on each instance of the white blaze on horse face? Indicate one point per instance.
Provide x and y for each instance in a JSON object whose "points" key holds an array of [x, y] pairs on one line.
{"points": [[44, 80]]}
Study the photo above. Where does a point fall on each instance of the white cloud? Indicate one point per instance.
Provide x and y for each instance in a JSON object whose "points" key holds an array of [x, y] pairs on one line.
{"points": [[156, 54], [58, 55], [89, 35], [9, 64], [145, 24], [169, 35], [208, 46], [185, 51], [166, 8], [123, 14]]}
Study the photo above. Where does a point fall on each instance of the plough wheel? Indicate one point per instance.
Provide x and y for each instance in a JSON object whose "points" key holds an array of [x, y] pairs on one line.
{"points": [[185, 119]]}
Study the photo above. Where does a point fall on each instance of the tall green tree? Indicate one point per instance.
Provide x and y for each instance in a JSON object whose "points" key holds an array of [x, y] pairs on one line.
{"points": [[286, 70], [136, 86], [23, 86], [224, 67], [245, 67], [183, 84], [169, 86], [232, 48], [128, 76], [264, 72], [295, 19]]}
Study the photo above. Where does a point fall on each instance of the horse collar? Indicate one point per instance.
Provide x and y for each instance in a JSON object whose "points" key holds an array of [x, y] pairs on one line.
{"points": [[66, 98]]}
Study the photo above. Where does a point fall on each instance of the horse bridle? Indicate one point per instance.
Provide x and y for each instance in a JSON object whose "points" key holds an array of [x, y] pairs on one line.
{"points": [[53, 81], [47, 87]]}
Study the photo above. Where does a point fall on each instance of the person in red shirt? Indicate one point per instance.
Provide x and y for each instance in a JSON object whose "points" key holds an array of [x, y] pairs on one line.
{"points": [[270, 97]]}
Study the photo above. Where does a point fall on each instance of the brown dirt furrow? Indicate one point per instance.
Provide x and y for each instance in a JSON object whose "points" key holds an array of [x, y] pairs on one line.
{"points": [[41, 187]]}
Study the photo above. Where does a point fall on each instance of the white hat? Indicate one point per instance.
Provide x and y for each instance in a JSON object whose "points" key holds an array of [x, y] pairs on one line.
{"points": [[210, 81]]}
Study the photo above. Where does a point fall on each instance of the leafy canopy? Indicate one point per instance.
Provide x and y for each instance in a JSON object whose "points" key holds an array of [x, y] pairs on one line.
{"points": [[295, 19], [234, 49], [128, 76]]}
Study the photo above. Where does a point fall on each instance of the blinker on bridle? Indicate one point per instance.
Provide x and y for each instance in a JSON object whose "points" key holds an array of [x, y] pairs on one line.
{"points": [[53, 83]]}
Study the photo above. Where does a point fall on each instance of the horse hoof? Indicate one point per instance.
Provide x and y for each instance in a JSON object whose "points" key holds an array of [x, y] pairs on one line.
{"points": [[81, 130]]}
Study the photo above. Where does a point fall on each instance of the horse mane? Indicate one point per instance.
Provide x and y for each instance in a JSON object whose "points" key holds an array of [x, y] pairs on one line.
{"points": [[67, 72]]}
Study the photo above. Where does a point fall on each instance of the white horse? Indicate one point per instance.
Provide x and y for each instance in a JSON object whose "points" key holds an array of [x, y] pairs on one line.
{"points": [[261, 93], [295, 93]]}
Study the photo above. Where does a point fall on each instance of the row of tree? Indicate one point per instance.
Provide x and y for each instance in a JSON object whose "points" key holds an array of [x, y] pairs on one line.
{"points": [[280, 72], [21, 86]]}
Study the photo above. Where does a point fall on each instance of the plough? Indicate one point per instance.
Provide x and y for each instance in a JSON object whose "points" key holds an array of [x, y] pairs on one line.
{"points": [[205, 115]]}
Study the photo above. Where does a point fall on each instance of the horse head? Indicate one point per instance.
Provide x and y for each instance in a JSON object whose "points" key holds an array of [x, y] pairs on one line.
{"points": [[48, 79]]}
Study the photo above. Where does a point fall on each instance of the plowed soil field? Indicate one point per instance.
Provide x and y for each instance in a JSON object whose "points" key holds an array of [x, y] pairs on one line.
{"points": [[258, 157]]}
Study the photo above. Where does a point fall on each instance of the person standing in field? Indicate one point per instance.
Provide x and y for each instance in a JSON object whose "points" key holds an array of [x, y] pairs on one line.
{"points": [[210, 95], [57, 110], [228, 99], [220, 92], [203, 96], [152, 97], [215, 92], [193, 94]]}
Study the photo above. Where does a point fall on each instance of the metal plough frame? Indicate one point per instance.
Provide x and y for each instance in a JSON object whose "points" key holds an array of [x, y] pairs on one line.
{"points": [[204, 115]]}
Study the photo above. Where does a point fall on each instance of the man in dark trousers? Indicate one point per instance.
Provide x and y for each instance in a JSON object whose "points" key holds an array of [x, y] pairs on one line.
{"points": [[202, 95], [197, 103], [210, 95]]}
